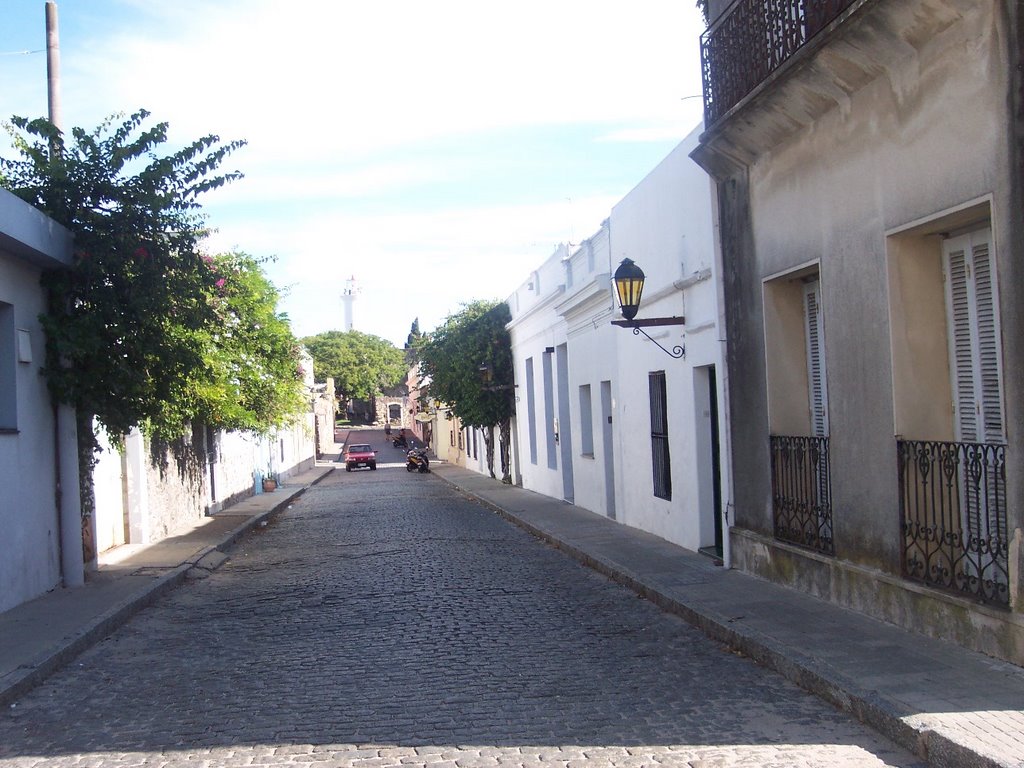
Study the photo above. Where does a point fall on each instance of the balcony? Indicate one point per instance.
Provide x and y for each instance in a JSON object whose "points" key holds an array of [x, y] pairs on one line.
{"points": [[801, 492], [751, 40], [953, 517]]}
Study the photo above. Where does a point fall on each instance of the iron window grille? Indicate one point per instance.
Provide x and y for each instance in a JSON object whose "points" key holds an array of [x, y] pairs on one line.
{"points": [[953, 517], [659, 436], [802, 492]]}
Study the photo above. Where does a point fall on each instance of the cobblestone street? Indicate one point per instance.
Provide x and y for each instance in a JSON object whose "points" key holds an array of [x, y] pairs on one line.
{"points": [[386, 620]]}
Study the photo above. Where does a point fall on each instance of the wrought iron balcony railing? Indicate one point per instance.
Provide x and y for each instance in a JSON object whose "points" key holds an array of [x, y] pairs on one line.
{"points": [[801, 492], [753, 39], [953, 517]]}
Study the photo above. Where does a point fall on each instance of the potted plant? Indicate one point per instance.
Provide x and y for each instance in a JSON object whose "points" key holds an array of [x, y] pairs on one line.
{"points": [[269, 482]]}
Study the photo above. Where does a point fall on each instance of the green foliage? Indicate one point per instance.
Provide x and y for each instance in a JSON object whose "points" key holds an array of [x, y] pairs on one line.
{"points": [[468, 361], [141, 331], [412, 343], [252, 378], [361, 364]]}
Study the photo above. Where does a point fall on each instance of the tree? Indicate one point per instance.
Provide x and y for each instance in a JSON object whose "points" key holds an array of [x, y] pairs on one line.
{"points": [[141, 330], [468, 361], [253, 378], [128, 324], [412, 343], [361, 364]]}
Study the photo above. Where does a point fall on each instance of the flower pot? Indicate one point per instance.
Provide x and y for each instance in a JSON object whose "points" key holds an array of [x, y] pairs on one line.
{"points": [[269, 484]]}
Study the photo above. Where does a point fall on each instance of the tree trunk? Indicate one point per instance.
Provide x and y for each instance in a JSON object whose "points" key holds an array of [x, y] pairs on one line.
{"points": [[86, 462], [505, 436], [489, 442]]}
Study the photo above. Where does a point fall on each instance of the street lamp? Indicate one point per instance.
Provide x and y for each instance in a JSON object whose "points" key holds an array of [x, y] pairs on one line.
{"points": [[629, 286], [487, 376]]}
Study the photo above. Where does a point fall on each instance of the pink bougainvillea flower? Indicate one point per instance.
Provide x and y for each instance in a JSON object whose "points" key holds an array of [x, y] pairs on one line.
{"points": [[220, 283]]}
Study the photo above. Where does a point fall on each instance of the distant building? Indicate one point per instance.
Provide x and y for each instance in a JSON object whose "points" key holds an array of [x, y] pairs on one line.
{"points": [[348, 298]]}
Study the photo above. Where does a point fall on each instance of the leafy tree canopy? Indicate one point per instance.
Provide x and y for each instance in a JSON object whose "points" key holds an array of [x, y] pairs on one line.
{"points": [[412, 343], [131, 327], [468, 360], [252, 378], [362, 365]]}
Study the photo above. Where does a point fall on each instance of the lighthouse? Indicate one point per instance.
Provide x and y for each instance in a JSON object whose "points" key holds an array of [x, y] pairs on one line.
{"points": [[347, 297]]}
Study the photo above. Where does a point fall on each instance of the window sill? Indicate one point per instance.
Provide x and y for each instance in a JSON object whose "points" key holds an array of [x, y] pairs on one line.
{"points": [[9, 431], [586, 456]]}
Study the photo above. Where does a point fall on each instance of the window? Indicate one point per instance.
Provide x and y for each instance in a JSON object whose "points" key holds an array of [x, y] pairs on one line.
{"points": [[976, 372], [659, 436], [949, 404], [974, 338], [814, 333], [795, 347], [550, 426], [8, 369], [531, 410], [586, 422]]}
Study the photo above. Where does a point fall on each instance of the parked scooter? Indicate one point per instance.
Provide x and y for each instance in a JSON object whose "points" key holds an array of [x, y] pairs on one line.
{"points": [[416, 460]]}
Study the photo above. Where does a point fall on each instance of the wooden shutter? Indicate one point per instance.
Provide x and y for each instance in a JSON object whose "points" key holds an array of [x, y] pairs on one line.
{"points": [[816, 387], [974, 338]]}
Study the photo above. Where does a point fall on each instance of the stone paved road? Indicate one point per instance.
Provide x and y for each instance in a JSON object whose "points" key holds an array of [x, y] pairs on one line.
{"points": [[384, 620]]}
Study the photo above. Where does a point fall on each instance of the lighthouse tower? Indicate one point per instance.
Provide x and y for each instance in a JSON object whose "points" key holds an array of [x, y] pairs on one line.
{"points": [[347, 297]]}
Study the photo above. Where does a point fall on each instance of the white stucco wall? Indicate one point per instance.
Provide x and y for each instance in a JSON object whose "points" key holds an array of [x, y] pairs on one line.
{"points": [[536, 328], [665, 225], [30, 551]]}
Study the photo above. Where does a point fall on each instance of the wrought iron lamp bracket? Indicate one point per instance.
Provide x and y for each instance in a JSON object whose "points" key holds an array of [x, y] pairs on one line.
{"points": [[678, 351]]}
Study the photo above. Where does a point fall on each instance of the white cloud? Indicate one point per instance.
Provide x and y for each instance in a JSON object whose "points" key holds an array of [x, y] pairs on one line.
{"points": [[338, 101]]}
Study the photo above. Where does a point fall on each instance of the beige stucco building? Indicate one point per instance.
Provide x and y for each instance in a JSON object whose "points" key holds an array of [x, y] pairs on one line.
{"points": [[869, 168]]}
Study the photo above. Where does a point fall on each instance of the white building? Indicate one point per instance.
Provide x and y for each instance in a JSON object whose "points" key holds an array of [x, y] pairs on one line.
{"points": [[40, 514], [607, 419]]}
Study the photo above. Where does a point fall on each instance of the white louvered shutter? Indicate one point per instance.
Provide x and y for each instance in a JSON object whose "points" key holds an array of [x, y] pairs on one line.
{"points": [[974, 338], [815, 333], [974, 341]]}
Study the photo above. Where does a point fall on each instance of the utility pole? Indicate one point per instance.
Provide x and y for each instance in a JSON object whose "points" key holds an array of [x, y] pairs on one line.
{"points": [[53, 64], [65, 435]]}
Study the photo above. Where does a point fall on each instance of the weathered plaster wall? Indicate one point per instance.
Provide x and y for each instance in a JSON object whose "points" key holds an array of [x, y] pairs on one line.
{"points": [[32, 559], [888, 157], [842, 159], [29, 554]]}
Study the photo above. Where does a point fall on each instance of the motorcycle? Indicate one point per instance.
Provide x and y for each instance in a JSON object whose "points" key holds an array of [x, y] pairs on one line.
{"points": [[400, 442], [417, 461]]}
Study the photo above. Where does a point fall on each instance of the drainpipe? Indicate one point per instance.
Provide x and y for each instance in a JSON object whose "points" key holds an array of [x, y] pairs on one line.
{"points": [[68, 495], [724, 415]]}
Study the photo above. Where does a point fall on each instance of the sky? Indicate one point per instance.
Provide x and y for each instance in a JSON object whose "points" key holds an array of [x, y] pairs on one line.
{"points": [[436, 152]]}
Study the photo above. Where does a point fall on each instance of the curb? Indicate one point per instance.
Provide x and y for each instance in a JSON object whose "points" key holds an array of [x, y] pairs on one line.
{"points": [[865, 705], [101, 627], [26, 678]]}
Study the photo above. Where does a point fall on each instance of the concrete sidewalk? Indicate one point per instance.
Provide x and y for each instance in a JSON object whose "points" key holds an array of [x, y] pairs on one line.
{"points": [[948, 705], [40, 636]]}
